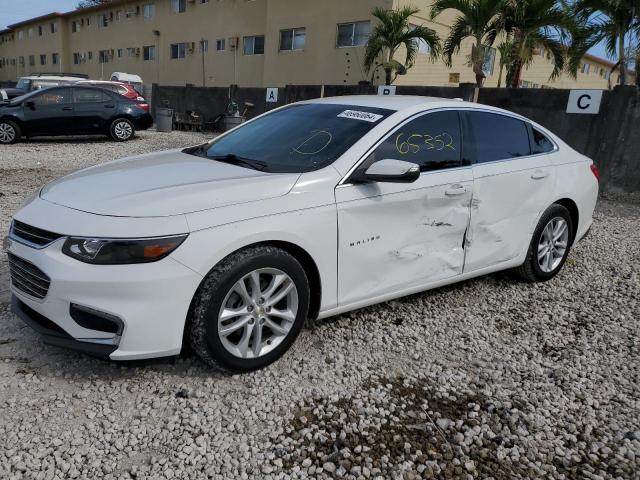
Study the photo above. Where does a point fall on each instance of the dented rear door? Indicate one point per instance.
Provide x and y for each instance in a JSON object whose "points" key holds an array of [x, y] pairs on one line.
{"points": [[394, 236], [511, 188]]}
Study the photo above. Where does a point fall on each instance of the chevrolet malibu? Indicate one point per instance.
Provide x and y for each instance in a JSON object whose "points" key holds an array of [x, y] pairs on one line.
{"points": [[308, 211]]}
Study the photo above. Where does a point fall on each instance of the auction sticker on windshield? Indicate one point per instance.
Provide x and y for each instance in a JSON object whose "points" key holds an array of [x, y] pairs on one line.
{"points": [[358, 115]]}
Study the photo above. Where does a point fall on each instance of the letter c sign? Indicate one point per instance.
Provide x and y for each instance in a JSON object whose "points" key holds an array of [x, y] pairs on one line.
{"points": [[584, 101]]}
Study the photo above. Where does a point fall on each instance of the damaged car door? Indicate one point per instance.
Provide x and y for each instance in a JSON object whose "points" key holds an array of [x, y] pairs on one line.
{"points": [[395, 236], [514, 179]]}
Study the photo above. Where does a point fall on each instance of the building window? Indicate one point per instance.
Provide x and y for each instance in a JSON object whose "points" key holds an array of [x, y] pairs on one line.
{"points": [[178, 50], [221, 44], [21, 61], [40, 30], [119, 15], [30, 33], [103, 56], [75, 26], [90, 55], [102, 21], [131, 52], [178, 6], [353, 34], [489, 59], [607, 74], [120, 52], [204, 46], [54, 27], [55, 59], [204, 1], [20, 34], [148, 11], [254, 45], [585, 68], [43, 59], [149, 53], [292, 39], [32, 61], [77, 58], [423, 47]]}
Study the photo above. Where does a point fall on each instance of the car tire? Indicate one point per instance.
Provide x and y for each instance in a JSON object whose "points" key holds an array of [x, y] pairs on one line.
{"points": [[122, 130], [549, 247], [9, 132], [233, 325]]}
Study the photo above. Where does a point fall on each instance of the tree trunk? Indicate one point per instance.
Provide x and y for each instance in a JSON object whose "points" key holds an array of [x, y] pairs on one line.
{"points": [[513, 73], [517, 74], [623, 62], [477, 59], [500, 74], [638, 64], [387, 76]]}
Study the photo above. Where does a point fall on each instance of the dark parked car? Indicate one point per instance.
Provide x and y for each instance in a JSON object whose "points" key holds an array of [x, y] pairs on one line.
{"points": [[72, 110]]}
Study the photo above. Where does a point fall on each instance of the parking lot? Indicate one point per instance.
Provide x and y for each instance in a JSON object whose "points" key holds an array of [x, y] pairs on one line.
{"points": [[488, 378]]}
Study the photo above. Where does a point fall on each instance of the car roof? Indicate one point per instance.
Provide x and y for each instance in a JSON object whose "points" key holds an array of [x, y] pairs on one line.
{"points": [[391, 102], [50, 77]]}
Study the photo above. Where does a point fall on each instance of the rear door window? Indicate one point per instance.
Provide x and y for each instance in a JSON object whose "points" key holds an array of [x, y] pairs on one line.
{"points": [[496, 137], [432, 141], [89, 95]]}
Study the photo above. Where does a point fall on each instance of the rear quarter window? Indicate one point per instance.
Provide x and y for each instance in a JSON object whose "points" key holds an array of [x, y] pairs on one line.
{"points": [[540, 143], [497, 137]]}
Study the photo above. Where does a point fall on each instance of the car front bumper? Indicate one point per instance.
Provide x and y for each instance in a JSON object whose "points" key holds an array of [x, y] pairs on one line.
{"points": [[150, 302]]}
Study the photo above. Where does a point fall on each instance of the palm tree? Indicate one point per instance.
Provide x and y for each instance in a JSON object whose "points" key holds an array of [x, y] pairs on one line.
{"points": [[477, 19], [393, 32], [610, 21], [504, 49], [534, 24]]}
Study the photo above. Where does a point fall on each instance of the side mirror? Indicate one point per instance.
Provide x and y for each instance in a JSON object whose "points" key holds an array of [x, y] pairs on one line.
{"points": [[388, 170]]}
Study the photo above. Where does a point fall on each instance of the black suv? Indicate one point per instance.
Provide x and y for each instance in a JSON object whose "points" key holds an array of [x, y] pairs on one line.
{"points": [[72, 110]]}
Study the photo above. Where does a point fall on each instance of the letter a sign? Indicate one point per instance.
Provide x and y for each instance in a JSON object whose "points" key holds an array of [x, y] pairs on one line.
{"points": [[584, 101], [272, 95]]}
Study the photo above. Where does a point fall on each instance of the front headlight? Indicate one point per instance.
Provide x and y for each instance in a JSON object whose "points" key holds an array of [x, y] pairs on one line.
{"points": [[120, 251]]}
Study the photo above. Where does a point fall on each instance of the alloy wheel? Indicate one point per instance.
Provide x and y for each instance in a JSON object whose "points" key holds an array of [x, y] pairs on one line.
{"points": [[123, 130], [7, 133], [553, 243], [258, 313]]}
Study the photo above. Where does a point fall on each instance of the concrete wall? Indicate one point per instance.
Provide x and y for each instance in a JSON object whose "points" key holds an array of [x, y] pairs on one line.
{"points": [[611, 138]]}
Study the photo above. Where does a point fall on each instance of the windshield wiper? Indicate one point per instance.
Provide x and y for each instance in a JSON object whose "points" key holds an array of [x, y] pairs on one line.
{"points": [[234, 159]]}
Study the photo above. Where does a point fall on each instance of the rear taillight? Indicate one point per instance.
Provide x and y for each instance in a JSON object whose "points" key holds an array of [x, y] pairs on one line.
{"points": [[595, 171], [144, 106]]}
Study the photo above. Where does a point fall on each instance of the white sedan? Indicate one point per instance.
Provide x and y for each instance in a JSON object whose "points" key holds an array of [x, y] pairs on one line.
{"points": [[310, 210]]}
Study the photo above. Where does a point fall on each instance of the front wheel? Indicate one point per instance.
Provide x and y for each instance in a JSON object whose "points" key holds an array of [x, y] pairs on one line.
{"points": [[9, 132], [249, 309], [550, 245], [122, 130]]}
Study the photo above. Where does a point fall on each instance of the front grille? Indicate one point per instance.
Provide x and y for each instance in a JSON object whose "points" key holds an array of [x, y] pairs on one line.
{"points": [[33, 235], [28, 278]]}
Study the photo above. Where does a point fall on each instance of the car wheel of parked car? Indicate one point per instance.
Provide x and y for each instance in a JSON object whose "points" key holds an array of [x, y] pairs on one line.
{"points": [[249, 309], [9, 132], [122, 130], [549, 246]]}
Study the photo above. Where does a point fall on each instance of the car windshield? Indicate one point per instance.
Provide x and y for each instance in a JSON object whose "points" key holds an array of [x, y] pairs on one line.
{"points": [[296, 139]]}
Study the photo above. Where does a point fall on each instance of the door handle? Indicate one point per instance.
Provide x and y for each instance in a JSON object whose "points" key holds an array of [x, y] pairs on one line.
{"points": [[455, 190], [539, 175], [67, 109], [109, 106]]}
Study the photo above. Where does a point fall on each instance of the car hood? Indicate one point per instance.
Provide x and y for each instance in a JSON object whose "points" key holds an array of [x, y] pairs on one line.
{"points": [[163, 184]]}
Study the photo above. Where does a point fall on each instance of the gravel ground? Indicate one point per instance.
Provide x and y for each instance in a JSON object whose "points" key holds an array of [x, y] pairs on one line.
{"points": [[490, 378]]}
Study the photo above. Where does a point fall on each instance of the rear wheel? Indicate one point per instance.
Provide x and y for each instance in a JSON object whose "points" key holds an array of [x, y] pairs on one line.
{"points": [[9, 132], [249, 309], [550, 245], [122, 130]]}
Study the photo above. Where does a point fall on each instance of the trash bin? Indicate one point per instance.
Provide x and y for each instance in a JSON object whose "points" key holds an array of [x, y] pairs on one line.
{"points": [[164, 119], [231, 121]]}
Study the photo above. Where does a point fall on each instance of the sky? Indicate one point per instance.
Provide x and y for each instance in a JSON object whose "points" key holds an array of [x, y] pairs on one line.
{"points": [[13, 11]]}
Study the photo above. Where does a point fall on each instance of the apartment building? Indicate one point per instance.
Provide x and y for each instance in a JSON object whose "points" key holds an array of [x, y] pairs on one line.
{"points": [[255, 43]]}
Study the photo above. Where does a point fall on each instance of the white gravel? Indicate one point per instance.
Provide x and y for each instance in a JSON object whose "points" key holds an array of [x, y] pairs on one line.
{"points": [[491, 378]]}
